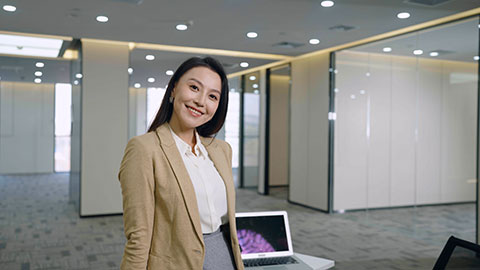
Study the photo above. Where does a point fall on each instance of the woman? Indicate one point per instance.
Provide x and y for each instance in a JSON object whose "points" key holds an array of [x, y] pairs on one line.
{"points": [[177, 184]]}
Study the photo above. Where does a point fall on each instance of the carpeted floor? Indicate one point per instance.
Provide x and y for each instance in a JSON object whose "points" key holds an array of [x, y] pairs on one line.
{"points": [[40, 229]]}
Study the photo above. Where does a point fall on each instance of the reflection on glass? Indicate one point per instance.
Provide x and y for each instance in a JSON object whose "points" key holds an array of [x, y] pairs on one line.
{"points": [[63, 119], [154, 99], [409, 138], [232, 125], [251, 130]]}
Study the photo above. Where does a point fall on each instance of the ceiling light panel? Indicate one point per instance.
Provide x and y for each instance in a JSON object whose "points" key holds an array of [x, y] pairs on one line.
{"points": [[9, 8], [403, 15], [418, 52], [30, 46], [314, 41], [327, 3], [181, 27], [252, 34], [102, 19]]}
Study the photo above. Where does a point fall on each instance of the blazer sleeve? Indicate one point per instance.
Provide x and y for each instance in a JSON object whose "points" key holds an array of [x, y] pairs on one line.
{"points": [[138, 186]]}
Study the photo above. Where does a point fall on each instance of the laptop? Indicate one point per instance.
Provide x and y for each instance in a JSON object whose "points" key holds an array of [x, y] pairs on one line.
{"points": [[265, 241]]}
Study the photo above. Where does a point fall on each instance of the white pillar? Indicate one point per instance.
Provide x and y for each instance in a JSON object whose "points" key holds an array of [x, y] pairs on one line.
{"points": [[104, 121]]}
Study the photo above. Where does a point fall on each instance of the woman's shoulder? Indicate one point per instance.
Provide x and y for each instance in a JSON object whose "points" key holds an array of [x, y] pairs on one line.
{"points": [[144, 141], [225, 146]]}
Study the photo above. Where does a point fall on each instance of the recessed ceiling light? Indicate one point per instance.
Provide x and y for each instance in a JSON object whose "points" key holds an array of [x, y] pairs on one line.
{"points": [[252, 78], [387, 49], [38, 73], [130, 70], [353, 97], [256, 92], [314, 41], [150, 57], [9, 8], [39, 64], [403, 15], [327, 3], [367, 74], [362, 92], [137, 85], [78, 75], [244, 64], [476, 57], [151, 80], [37, 80], [102, 19], [252, 34], [169, 72], [75, 82], [433, 54], [255, 85], [181, 27], [418, 52]]}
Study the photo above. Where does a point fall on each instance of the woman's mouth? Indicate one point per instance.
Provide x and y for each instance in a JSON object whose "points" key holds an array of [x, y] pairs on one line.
{"points": [[194, 111]]}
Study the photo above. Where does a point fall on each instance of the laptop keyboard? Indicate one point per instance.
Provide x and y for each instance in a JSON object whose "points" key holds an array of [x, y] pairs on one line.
{"points": [[269, 261]]}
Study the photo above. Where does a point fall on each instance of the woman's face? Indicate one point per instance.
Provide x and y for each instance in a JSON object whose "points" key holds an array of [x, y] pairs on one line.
{"points": [[196, 97]]}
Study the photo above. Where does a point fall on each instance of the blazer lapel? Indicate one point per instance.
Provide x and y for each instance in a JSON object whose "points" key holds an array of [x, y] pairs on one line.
{"points": [[176, 162]]}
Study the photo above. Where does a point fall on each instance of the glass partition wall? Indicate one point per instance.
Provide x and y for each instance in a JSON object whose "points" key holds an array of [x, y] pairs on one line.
{"points": [[251, 129], [406, 123]]}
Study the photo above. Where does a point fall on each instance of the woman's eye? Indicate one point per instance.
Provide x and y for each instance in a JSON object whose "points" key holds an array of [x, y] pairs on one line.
{"points": [[213, 97], [194, 87]]}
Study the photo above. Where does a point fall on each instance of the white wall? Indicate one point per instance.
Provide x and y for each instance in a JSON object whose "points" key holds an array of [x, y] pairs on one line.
{"points": [[279, 114], [104, 125], [410, 138], [26, 128], [309, 105]]}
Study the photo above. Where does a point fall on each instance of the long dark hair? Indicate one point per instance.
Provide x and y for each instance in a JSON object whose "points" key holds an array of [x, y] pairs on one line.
{"points": [[210, 128]]}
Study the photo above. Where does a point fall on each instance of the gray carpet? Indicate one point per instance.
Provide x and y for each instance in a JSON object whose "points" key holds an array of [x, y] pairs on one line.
{"points": [[40, 229]]}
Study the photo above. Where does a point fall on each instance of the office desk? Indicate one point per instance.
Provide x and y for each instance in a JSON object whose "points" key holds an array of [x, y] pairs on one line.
{"points": [[315, 262]]}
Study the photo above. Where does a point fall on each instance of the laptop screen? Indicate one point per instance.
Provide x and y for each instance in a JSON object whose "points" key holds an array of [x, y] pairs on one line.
{"points": [[263, 233]]}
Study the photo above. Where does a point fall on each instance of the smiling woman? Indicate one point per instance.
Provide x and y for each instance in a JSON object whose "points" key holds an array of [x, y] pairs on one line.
{"points": [[177, 183]]}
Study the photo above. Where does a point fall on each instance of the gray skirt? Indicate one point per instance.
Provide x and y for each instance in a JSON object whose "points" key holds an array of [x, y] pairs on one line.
{"points": [[218, 250]]}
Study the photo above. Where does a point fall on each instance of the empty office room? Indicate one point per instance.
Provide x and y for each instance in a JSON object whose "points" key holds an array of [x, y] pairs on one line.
{"points": [[315, 134]]}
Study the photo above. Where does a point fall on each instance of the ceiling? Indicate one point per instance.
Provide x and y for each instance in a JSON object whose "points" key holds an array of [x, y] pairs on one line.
{"points": [[213, 24], [456, 42]]}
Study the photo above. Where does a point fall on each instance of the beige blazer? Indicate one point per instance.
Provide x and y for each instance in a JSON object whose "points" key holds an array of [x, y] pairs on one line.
{"points": [[160, 213]]}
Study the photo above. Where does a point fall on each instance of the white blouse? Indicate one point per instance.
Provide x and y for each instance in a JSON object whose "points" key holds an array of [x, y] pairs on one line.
{"points": [[207, 182]]}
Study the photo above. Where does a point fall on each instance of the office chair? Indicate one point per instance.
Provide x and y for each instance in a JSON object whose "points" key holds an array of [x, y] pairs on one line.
{"points": [[460, 262]]}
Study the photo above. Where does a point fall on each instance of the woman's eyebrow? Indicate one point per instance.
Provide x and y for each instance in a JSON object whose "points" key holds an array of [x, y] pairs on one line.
{"points": [[201, 84]]}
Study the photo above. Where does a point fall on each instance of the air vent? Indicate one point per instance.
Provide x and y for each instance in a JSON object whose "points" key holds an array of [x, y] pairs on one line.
{"points": [[134, 2], [229, 65], [288, 45], [442, 52], [341, 28], [427, 3], [16, 69]]}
